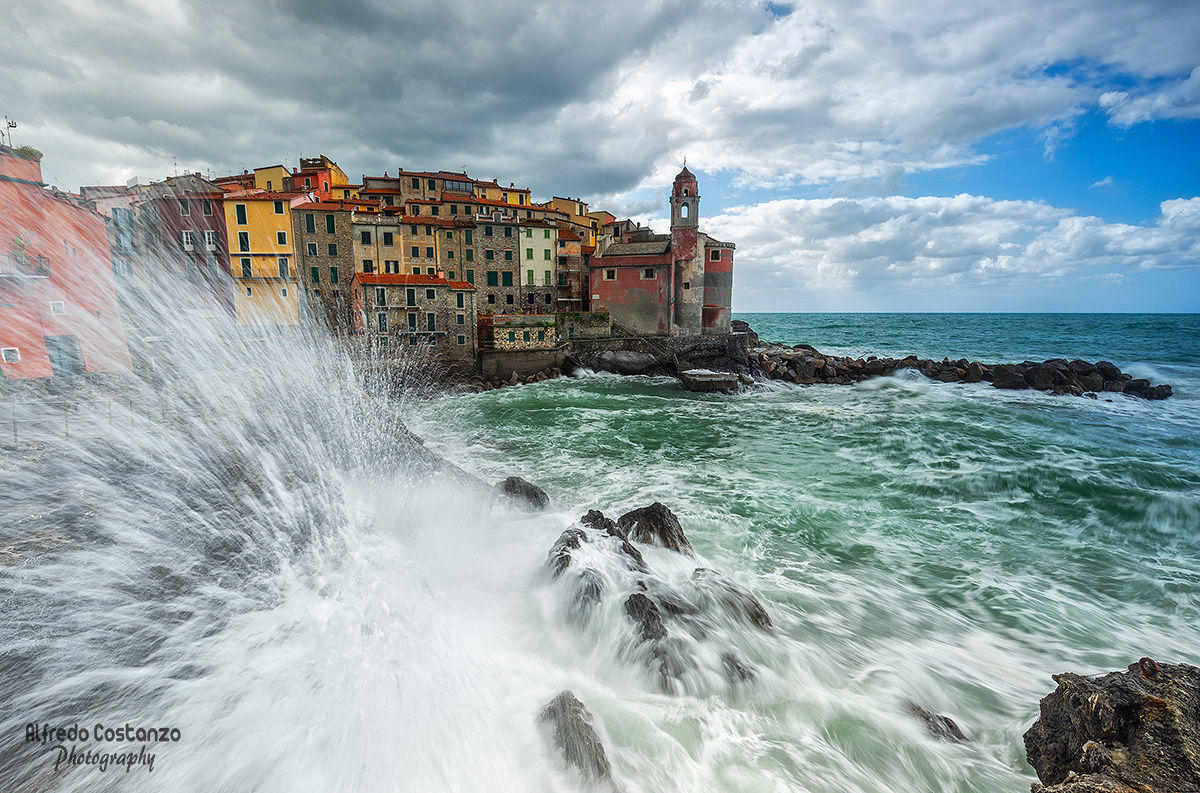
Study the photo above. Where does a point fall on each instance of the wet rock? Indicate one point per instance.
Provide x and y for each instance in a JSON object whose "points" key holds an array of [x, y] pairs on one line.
{"points": [[1136, 730], [656, 525], [596, 519], [645, 616], [1161, 391], [973, 372], [1008, 376], [586, 594], [525, 494], [571, 730], [736, 600], [1108, 371], [560, 553], [939, 726], [736, 669], [1040, 377]]}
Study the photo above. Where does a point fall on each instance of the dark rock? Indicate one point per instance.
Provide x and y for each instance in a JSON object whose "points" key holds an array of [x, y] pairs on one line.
{"points": [[1108, 371], [1161, 391], [736, 669], [526, 494], [1082, 367], [939, 726], [589, 588], [1137, 387], [644, 613], [596, 520], [1007, 376], [706, 381], [1090, 381], [974, 372], [571, 730], [736, 600], [1137, 730], [656, 525], [560, 553], [1040, 377]]}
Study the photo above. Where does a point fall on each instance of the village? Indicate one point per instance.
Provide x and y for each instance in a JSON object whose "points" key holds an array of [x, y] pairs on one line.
{"points": [[477, 277]]}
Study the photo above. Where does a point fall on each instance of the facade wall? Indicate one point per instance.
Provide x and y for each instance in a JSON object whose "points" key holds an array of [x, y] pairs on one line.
{"points": [[538, 250], [407, 308], [718, 287], [266, 290], [56, 282], [635, 291], [421, 244], [324, 263], [518, 332], [498, 276]]}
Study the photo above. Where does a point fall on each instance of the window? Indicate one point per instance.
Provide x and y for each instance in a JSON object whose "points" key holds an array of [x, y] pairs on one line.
{"points": [[416, 252], [470, 275], [491, 298], [546, 233], [312, 249], [333, 276], [412, 321], [383, 342], [392, 267], [283, 267], [548, 298], [529, 278], [459, 299], [714, 255], [508, 231], [529, 253], [470, 236], [528, 233], [278, 207], [431, 270], [683, 210], [525, 335], [470, 254], [387, 238], [462, 339], [433, 210], [381, 318], [310, 223], [506, 279], [365, 237], [487, 231], [512, 335], [416, 183], [332, 250], [548, 278], [246, 269], [57, 308], [206, 207], [429, 253], [281, 238], [493, 279], [283, 292], [188, 240], [432, 184], [13, 354], [430, 321], [489, 255], [368, 266], [315, 274], [329, 224], [454, 209], [610, 275], [247, 290], [307, 181], [416, 271], [429, 293], [460, 318], [687, 284], [380, 296], [648, 273], [541, 335], [243, 241], [562, 279], [239, 212], [508, 256], [410, 297], [183, 207]]}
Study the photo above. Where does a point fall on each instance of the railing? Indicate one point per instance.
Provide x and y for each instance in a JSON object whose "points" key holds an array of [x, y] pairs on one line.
{"points": [[63, 418], [25, 266]]}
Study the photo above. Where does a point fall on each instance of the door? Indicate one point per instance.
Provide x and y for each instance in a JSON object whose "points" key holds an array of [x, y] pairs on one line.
{"points": [[66, 358]]}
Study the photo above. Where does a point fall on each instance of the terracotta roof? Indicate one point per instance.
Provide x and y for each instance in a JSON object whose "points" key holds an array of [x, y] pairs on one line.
{"points": [[451, 195], [405, 279], [588, 248], [567, 234]]}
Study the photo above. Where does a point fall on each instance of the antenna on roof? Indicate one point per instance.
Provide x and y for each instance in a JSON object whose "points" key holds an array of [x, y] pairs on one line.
{"points": [[9, 126]]}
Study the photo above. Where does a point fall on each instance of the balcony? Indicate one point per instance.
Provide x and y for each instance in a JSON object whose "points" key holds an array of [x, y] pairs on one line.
{"points": [[24, 266]]}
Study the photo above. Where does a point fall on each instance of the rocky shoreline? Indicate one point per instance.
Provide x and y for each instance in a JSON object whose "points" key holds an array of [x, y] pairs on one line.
{"points": [[727, 364]]}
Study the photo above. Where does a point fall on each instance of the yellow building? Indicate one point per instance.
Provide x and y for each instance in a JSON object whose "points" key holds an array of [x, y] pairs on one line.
{"points": [[270, 177], [261, 258], [511, 195], [577, 215]]}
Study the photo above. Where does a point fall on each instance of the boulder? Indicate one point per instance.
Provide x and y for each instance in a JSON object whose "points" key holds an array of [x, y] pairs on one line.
{"points": [[1136, 730], [974, 372], [1090, 381], [596, 519], [525, 494], [559, 558], [1108, 370], [1007, 376], [736, 600], [645, 616], [656, 525], [939, 726], [1161, 391], [1040, 376], [571, 730]]}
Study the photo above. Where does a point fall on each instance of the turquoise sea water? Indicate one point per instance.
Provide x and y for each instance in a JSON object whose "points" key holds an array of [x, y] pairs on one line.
{"points": [[951, 544]]}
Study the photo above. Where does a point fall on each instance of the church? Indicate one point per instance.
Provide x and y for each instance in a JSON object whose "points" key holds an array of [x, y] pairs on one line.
{"points": [[676, 284]]}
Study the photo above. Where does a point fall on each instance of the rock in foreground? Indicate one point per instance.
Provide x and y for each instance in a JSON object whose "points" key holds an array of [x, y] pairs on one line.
{"points": [[656, 525], [1137, 730], [571, 730]]}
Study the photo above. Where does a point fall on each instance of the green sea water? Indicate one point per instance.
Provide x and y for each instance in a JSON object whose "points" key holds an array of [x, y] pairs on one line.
{"points": [[950, 544]]}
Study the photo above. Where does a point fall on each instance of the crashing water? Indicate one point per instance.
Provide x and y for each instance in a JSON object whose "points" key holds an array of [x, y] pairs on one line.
{"points": [[253, 551]]}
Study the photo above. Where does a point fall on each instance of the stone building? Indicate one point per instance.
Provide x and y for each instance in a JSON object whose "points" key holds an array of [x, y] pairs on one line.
{"points": [[511, 332], [406, 310], [324, 245], [679, 283], [497, 251], [376, 243]]}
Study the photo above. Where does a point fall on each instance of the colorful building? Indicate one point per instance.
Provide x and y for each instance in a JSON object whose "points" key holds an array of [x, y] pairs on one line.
{"points": [[322, 231], [539, 248], [58, 303], [259, 239], [398, 311], [666, 284], [497, 254]]}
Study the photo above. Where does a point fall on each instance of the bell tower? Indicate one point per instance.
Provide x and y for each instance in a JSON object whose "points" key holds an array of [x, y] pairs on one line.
{"points": [[688, 276]]}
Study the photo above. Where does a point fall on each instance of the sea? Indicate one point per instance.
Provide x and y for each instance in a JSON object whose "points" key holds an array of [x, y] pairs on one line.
{"points": [[241, 553]]}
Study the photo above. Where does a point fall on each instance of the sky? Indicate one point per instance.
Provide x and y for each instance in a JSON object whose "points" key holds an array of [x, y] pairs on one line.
{"points": [[917, 155]]}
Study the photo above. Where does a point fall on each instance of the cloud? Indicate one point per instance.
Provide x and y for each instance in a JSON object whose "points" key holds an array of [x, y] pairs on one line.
{"points": [[1105, 182], [580, 98], [894, 250]]}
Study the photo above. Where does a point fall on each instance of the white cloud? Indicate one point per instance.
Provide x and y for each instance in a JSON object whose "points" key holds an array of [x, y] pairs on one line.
{"points": [[899, 251], [1176, 99], [1105, 182]]}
